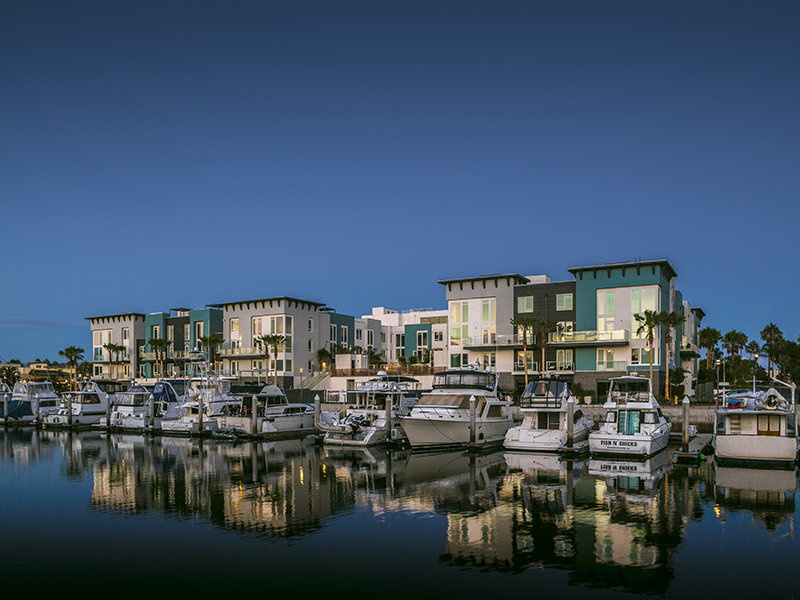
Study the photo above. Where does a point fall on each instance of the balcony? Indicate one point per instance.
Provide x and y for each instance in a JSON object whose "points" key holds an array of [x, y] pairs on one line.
{"points": [[615, 337], [104, 357], [241, 351], [493, 341], [689, 349], [560, 366]]}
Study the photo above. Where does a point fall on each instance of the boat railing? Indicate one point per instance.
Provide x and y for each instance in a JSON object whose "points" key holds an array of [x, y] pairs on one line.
{"points": [[626, 397], [548, 401]]}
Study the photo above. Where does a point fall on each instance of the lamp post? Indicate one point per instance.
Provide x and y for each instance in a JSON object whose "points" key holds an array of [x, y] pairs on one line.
{"points": [[301, 385]]}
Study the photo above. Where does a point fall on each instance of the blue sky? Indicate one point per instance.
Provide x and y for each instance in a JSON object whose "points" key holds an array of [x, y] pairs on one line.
{"points": [[162, 154]]}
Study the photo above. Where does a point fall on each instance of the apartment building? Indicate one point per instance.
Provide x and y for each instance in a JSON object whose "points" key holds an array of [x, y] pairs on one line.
{"points": [[123, 329]]}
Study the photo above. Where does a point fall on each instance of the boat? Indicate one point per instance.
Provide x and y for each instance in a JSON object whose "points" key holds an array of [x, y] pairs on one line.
{"points": [[757, 428], [377, 407], [545, 405], [131, 408], [31, 400], [274, 415], [214, 396], [444, 416], [633, 424], [87, 405]]}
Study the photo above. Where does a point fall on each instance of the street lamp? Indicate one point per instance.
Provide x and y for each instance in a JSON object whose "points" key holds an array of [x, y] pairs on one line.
{"points": [[301, 385]]}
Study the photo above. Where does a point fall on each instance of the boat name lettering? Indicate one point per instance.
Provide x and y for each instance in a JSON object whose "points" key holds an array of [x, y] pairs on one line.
{"points": [[618, 443]]}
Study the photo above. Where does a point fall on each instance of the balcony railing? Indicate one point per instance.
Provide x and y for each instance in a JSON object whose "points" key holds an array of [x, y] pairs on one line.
{"points": [[618, 336], [690, 347], [493, 340], [560, 365], [241, 351], [617, 365], [104, 357], [519, 367]]}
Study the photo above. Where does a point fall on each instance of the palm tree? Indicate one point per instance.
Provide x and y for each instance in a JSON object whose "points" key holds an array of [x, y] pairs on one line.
{"points": [[324, 358], [115, 350], [211, 342], [159, 346], [772, 337], [648, 323], [74, 355], [541, 327], [709, 338], [274, 341], [752, 348], [669, 320], [734, 341], [524, 327], [10, 375]]}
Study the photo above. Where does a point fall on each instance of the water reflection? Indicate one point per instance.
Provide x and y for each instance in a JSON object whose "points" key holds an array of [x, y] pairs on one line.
{"points": [[606, 524]]}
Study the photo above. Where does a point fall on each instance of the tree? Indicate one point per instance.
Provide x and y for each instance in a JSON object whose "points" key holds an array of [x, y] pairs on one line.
{"points": [[541, 327], [524, 327], [324, 358], [10, 375], [373, 357], [274, 341], [74, 355], [211, 343], [648, 323], [115, 350], [733, 342], [752, 348], [159, 346], [772, 337], [709, 338], [669, 321]]}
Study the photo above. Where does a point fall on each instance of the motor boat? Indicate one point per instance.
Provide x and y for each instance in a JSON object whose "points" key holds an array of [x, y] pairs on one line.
{"points": [[213, 396], [377, 408], [545, 405], [32, 400], [633, 424], [87, 405], [131, 408], [458, 399], [274, 415], [757, 428]]}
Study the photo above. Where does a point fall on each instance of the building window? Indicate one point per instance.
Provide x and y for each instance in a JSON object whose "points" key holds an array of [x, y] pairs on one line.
{"points": [[370, 337], [289, 365], [400, 344], [310, 345], [171, 333], [525, 304], [311, 324], [489, 360], [186, 333], [565, 326], [359, 335], [605, 310], [564, 361], [155, 331], [333, 334], [642, 299], [199, 328], [459, 319], [519, 361], [563, 301], [438, 336], [459, 360], [126, 337], [345, 335]]}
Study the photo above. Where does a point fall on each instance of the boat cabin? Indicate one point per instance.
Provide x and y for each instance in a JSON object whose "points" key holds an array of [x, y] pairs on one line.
{"points": [[545, 393], [465, 379], [624, 390]]}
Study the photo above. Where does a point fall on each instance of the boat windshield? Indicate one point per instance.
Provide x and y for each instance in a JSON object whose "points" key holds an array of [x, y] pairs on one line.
{"points": [[448, 400], [629, 390], [464, 379], [135, 396], [43, 388], [543, 393]]}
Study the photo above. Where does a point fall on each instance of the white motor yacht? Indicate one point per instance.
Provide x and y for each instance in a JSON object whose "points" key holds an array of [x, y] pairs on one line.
{"points": [[31, 400], [444, 416], [274, 415], [88, 404], [374, 417], [757, 427], [634, 424], [213, 395], [545, 405], [131, 408]]}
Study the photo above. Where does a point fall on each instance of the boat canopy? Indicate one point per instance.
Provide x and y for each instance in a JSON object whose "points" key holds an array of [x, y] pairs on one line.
{"points": [[545, 393], [449, 400], [629, 389], [465, 379]]}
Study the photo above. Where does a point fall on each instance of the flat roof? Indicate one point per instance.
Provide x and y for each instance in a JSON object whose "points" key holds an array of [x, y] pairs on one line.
{"points": [[130, 314], [663, 262], [516, 276], [287, 298]]}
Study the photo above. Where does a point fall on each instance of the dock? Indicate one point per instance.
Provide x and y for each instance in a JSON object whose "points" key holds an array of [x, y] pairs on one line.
{"points": [[691, 454]]}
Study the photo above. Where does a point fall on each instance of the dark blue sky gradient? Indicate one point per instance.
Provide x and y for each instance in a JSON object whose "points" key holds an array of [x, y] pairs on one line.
{"points": [[163, 154]]}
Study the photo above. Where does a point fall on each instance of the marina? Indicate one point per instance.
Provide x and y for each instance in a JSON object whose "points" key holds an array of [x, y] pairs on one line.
{"points": [[307, 517]]}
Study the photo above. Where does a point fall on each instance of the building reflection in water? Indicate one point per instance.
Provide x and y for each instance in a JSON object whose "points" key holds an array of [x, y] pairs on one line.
{"points": [[607, 524]]}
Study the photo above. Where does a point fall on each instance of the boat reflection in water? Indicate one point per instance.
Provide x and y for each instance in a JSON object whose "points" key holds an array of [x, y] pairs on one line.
{"points": [[274, 508], [768, 494]]}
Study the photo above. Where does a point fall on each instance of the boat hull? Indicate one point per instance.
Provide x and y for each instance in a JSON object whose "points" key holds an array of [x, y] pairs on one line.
{"points": [[426, 432], [755, 449], [604, 444], [545, 440]]}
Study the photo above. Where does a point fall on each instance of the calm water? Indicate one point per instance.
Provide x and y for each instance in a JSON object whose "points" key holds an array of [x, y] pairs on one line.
{"points": [[128, 516]]}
